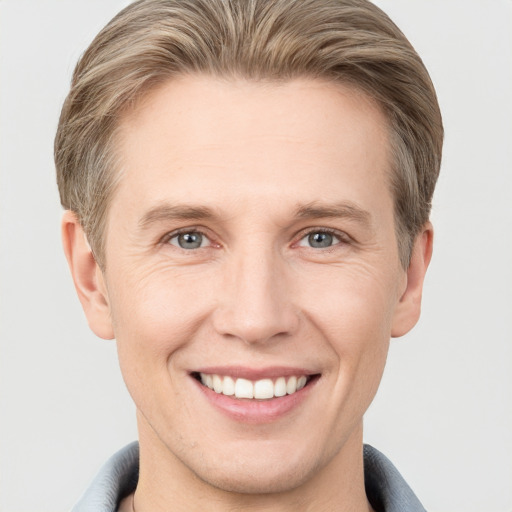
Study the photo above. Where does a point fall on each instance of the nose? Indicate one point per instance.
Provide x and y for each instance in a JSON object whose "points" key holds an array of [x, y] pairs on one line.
{"points": [[255, 302]]}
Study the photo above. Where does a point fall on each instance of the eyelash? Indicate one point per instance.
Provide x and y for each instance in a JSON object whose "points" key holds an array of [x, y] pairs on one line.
{"points": [[166, 239], [340, 235]]}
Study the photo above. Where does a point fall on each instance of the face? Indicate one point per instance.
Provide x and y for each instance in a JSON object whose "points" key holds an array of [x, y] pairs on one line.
{"points": [[251, 250]]}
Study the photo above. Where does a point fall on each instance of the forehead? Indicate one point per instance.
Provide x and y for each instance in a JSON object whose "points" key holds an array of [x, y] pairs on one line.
{"points": [[210, 139]]}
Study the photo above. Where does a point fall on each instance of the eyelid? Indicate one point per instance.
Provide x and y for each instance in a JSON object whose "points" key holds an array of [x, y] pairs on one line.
{"points": [[189, 229], [343, 237]]}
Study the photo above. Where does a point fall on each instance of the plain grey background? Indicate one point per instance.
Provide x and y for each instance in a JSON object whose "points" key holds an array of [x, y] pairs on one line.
{"points": [[444, 411]]}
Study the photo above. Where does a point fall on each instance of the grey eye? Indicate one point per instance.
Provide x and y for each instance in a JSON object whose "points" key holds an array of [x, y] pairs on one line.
{"points": [[190, 240], [320, 240]]}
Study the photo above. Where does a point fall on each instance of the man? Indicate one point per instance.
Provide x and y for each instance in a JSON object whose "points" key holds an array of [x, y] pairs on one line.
{"points": [[248, 187]]}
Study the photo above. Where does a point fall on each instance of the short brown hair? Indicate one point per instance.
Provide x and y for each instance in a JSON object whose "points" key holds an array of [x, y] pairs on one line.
{"points": [[150, 41]]}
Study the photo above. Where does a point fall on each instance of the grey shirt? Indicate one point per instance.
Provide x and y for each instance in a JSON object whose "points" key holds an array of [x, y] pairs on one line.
{"points": [[387, 491]]}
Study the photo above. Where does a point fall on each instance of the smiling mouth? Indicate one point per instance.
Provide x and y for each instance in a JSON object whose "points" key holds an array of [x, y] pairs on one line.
{"points": [[263, 389]]}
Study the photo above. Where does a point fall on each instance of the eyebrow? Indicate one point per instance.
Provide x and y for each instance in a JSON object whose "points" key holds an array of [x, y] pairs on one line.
{"points": [[167, 212], [313, 210], [318, 210]]}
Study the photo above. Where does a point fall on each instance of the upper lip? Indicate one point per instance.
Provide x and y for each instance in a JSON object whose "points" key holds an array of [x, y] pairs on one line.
{"points": [[245, 372]]}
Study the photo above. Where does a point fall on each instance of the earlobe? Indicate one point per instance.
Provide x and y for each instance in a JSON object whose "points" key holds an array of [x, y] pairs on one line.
{"points": [[87, 276], [407, 312]]}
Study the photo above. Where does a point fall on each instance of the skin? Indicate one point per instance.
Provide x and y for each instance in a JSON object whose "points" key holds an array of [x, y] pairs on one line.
{"points": [[256, 293]]}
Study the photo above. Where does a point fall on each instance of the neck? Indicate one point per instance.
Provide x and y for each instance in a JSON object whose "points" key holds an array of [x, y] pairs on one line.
{"points": [[164, 479]]}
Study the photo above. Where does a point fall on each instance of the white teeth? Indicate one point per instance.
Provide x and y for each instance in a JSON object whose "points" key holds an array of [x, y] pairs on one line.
{"points": [[291, 385], [228, 386], [244, 388], [207, 380], [217, 384], [280, 387], [263, 389]]}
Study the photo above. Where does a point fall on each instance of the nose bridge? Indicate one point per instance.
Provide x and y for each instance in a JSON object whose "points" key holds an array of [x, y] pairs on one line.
{"points": [[255, 305]]}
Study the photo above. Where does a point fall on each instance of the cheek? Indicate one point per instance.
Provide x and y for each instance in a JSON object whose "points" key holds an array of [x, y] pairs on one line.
{"points": [[159, 303], [352, 305], [353, 309], [154, 316]]}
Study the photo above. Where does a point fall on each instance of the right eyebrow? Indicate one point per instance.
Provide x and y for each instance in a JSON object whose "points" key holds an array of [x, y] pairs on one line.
{"points": [[165, 212]]}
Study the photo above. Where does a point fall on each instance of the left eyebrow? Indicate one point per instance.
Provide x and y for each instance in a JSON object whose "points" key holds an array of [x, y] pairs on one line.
{"points": [[166, 212], [318, 210]]}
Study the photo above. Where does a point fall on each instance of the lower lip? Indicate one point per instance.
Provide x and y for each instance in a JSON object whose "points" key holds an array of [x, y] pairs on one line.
{"points": [[247, 410]]}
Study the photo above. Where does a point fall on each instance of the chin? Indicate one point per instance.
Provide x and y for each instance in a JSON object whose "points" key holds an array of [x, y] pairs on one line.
{"points": [[255, 479], [268, 469]]}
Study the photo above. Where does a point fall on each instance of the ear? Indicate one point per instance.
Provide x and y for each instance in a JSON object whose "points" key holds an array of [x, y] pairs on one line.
{"points": [[87, 276], [407, 312]]}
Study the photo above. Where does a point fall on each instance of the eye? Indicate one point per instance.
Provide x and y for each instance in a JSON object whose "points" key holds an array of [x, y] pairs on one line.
{"points": [[319, 240], [189, 240]]}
